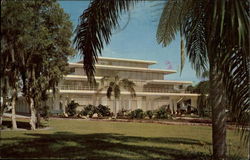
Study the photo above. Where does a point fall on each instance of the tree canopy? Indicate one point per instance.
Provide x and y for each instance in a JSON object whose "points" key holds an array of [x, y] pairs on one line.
{"points": [[215, 34], [36, 44]]}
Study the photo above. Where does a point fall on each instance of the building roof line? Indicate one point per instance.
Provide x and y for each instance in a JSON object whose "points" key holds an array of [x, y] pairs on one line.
{"points": [[125, 68], [125, 60], [168, 81], [72, 76]]}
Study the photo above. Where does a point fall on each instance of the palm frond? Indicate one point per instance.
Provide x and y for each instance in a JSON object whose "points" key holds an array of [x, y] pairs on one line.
{"points": [[104, 79], [182, 53], [231, 27], [236, 78], [205, 74], [95, 28], [128, 85], [170, 21], [98, 91], [195, 33], [117, 91], [109, 92]]}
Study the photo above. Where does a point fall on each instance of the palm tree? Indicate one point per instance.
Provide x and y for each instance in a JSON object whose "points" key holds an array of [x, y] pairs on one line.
{"points": [[114, 85], [207, 27], [216, 37]]}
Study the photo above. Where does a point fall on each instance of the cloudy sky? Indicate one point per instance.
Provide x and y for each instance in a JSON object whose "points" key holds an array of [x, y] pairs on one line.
{"points": [[136, 39]]}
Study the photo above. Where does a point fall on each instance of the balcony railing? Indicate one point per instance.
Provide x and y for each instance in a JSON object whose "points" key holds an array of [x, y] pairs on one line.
{"points": [[76, 87], [164, 90], [155, 90]]}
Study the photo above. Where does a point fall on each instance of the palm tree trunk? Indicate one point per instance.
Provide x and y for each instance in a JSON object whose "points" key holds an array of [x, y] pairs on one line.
{"points": [[13, 110], [33, 114], [217, 102], [115, 109]]}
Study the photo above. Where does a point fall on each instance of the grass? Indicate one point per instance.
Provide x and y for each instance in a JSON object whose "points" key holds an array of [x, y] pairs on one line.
{"points": [[113, 140]]}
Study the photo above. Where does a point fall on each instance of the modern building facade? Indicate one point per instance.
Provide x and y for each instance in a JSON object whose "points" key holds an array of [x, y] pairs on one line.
{"points": [[152, 90]]}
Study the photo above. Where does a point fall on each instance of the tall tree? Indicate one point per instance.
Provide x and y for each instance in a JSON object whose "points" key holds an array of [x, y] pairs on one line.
{"points": [[48, 53], [216, 35], [43, 40], [207, 26], [11, 36], [114, 85]]}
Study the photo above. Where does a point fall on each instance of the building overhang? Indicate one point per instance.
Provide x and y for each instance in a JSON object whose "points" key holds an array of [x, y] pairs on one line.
{"points": [[125, 60], [128, 93], [167, 82], [124, 68], [78, 77]]}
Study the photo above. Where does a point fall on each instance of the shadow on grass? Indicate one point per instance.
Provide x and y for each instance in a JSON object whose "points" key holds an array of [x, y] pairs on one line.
{"points": [[20, 124], [97, 146]]}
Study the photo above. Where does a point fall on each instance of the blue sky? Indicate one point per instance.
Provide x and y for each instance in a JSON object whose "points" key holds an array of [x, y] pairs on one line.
{"points": [[138, 39]]}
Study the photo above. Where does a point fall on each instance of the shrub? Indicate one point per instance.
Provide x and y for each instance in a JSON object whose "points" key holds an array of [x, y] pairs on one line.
{"points": [[149, 113], [71, 108], [89, 110], [44, 112], [138, 114], [124, 113], [162, 113], [103, 110], [90, 113]]}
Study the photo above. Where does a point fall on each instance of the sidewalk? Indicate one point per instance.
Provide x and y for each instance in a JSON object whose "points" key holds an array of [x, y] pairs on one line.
{"points": [[17, 116]]}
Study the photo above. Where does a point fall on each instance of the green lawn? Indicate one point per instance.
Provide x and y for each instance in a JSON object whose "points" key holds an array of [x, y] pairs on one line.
{"points": [[114, 140]]}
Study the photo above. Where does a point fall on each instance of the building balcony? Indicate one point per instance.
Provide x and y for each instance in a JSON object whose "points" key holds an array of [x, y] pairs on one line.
{"points": [[164, 90], [76, 87], [153, 90]]}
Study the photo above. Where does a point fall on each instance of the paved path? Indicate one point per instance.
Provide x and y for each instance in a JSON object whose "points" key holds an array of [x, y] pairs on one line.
{"points": [[17, 115]]}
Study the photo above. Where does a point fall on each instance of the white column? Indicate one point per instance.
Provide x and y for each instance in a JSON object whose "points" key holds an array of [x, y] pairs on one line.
{"points": [[118, 102], [56, 103], [144, 103], [173, 105], [152, 104], [147, 103], [65, 103], [129, 104], [139, 102], [194, 102]]}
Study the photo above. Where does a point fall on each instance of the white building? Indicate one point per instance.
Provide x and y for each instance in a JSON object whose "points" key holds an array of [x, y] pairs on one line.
{"points": [[152, 91]]}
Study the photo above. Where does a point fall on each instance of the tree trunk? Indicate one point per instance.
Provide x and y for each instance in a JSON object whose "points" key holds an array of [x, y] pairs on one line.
{"points": [[115, 109], [4, 100], [1, 113], [33, 114], [13, 110], [38, 119], [217, 102]]}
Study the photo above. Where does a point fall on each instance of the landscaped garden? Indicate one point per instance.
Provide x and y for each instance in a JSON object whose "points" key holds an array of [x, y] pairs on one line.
{"points": [[97, 139], [36, 46]]}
